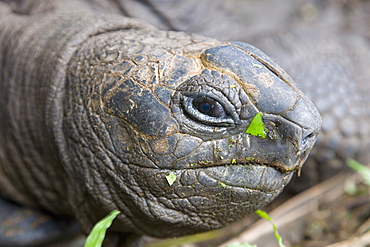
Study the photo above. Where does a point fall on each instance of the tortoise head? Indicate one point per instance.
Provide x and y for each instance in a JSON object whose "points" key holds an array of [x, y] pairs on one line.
{"points": [[162, 128]]}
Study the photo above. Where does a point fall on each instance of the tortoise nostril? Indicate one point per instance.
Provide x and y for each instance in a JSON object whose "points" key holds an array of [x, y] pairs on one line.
{"points": [[310, 138]]}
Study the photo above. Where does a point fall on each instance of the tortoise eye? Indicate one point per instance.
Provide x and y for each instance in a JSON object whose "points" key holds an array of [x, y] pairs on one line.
{"points": [[207, 110], [209, 107]]}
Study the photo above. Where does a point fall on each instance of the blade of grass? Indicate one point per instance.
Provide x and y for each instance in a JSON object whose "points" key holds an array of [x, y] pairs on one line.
{"points": [[264, 215], [360, 168], [97, 234]]}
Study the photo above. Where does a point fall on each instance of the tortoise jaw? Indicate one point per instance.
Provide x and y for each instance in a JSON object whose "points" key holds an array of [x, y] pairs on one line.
{"points": [[255, 177], [253, 173]]}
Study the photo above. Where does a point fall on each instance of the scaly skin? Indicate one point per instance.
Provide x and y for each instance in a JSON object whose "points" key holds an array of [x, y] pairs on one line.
{"points": [[318, 50], [98, 110], [336, 78]]}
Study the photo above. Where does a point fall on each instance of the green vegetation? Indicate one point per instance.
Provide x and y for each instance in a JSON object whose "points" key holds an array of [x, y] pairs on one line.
{"points": [[222, 184], [171, 178], [362, 169], [257, 65], [256, 127], [249, 159], [351, 186], [97, 234], [264, 215]]}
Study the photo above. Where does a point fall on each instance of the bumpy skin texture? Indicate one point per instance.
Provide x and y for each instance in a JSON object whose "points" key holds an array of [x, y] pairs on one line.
{"points": [[328, 62], [98, 110], [336, 77], [141, 110]]}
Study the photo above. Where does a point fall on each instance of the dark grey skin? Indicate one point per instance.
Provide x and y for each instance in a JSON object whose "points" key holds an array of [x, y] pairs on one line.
{"points": [[328, 57], [97, 109]]}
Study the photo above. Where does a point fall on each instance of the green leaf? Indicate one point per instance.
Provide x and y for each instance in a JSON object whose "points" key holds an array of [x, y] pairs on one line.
{"points": [[360, 168], [256, 127], [222, 185], [257, 65], [249, 159], [171, 178], [97, 234], [264, 215]]}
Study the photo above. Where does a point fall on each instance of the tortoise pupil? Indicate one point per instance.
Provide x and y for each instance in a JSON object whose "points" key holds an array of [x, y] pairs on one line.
{"points": [[205, 107], [209, 106]]}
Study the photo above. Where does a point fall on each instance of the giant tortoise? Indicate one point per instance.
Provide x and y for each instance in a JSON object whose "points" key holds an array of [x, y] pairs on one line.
{"points": [[99, 109]]}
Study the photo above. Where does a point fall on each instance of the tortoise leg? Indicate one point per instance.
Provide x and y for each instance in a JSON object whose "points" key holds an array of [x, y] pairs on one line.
{"points": [[20, 226]]}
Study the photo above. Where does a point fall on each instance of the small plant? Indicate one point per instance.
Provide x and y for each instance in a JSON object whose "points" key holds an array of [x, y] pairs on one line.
{"points": [[351, 187], [97, 234], [264, 215], [360, 168]]}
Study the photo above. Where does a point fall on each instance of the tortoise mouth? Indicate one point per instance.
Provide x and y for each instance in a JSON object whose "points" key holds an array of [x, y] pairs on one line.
{"points": [[250, 176], [252, 162], [203, 198], [253, 174]]}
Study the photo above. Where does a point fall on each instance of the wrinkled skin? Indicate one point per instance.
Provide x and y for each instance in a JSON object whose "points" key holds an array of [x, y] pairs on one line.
{"points": [[97, 111], [159, 129], [323, 45]]}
